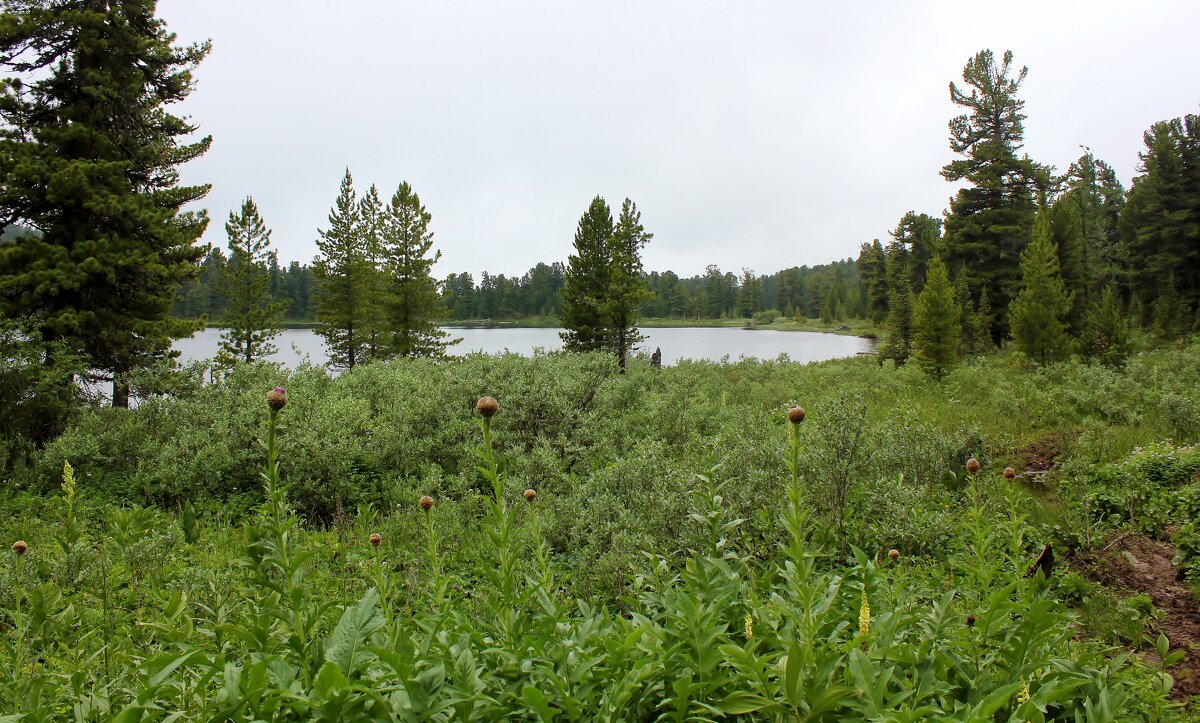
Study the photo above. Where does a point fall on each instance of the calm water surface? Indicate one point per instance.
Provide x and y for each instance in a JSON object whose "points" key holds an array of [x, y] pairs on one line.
{"points": [[676, 344]]}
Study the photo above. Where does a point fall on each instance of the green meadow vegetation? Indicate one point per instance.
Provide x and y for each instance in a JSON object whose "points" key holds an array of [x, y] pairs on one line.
{"points": [[675, 544]]}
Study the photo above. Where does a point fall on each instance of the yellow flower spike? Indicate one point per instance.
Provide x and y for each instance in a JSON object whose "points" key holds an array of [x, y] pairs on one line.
{"points": [[749, 626], [864, 615], [1023, 696], [68, 484]]}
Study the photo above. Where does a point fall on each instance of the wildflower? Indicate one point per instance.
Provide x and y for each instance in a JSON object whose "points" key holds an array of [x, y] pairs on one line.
{"points": [[529, 495], [970, 621], [1023, 695], [749, 626], [1009, 473], [19, 547], [426, 503], [864, 616], [375, 539], [487, 406], [972, 465], [277, 399], [68, 483], [796, 415], [893, 554]]}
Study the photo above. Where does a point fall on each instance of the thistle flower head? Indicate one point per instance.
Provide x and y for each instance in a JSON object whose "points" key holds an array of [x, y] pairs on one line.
{"points": [[796, 415], [426, 503], [1009, 473], [20, 547], [277, 399], [893, 554], [973, 465], [970, 621], [529, 495], [375, 539], [487, 406]]}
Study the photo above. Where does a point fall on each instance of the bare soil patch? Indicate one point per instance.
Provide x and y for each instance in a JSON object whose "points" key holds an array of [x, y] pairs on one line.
{"points": [[1140, 564]]}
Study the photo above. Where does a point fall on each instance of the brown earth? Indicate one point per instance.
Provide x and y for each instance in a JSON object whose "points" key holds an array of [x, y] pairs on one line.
{"points": [[1139, 564]]}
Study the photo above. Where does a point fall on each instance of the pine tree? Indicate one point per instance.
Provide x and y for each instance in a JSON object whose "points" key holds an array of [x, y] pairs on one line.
{"points": [[412, 294], [583, 321], [344, 273], [626, 290], [1106, 337], [990, 219], [1038, 316], [90, 156], [251, 318], [936, 323]]}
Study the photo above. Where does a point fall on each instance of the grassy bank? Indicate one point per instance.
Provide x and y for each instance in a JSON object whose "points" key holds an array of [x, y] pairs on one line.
{"points": [[687, 551]]}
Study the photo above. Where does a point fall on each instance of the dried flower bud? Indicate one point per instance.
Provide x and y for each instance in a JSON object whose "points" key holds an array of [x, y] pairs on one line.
{"points": [[529, 495], [972, 465], [277, 398], [426, 503], [375, 539], [796, 415], [970, 621], [19, 547], [487, 406], [1009, 473], [893, 555]]}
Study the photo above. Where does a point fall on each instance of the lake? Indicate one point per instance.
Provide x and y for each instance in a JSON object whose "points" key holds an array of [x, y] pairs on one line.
{"points": [[711, 344]]}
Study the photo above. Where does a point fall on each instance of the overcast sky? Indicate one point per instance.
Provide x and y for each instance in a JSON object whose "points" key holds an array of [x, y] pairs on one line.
{"points": [[750, 134]]}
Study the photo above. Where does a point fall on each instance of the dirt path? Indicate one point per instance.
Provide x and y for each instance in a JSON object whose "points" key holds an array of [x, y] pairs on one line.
{"points": [[1139, 564]]}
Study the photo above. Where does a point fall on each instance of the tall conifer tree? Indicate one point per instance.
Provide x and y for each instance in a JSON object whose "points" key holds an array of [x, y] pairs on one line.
{"points": [[626, 291], [990, 218], [898, 346], [936, 323], [412, 293], [344, 273], [583, 319], [1038, 316], [370, 234], [89, 156], [251, 318]]}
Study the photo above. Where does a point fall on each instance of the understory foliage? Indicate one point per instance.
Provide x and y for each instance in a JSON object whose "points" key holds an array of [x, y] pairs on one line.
{"points": [[653, 545]]}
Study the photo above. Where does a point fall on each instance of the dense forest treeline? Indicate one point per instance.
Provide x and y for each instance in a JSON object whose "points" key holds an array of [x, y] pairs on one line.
{"points": [[829, 291]]}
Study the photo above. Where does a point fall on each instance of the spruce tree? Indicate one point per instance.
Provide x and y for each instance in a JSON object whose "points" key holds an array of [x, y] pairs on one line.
{"points": [[587, 278], [626, 292], [344, 274], [369, 233], [89, 154], [412, 293], [251, 318], [1160, 224], [936, 323], [1066, 231], [872, 265], [1106, 337], [1038, 316], [898, 346]]}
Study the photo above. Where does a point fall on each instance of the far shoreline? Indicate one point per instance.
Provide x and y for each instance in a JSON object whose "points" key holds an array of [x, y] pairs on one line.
{"points": [[858, 328]]}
